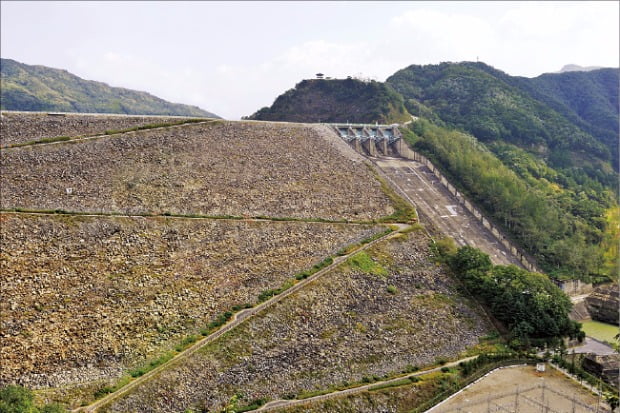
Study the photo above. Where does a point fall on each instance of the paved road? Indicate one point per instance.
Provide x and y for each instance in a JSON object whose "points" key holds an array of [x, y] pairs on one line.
{"points": [[439, 207], [591, 345], [237, 319]]}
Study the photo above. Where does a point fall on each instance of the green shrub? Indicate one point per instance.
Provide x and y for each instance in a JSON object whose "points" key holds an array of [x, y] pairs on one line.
{"points": [[18, 399], [187, 341], [441, 360], [267, 294], [141, 371], [533, 308]]}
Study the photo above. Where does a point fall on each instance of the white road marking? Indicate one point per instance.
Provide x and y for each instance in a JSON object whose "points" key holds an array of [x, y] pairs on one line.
{"points": [[421, 179], [452, 209]]}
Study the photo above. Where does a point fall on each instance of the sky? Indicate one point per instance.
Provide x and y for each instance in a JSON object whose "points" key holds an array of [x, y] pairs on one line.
{"points": [[232, 58]]}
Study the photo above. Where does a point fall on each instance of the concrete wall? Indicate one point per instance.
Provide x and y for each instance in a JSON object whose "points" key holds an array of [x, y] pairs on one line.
{"points": [[575, 287]]}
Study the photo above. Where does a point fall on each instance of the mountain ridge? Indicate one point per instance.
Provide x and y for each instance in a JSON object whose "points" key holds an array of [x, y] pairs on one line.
{"points": [[41, 88]]}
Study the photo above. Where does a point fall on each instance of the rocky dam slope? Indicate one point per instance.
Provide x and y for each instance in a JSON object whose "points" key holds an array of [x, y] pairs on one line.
{"points": [[120, 250]]}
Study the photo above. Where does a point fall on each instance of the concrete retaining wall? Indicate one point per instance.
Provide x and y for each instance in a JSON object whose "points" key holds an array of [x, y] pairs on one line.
{"points": [[575, 287]]}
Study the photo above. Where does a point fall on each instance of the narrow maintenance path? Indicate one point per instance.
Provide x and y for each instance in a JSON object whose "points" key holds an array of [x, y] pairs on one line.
{"points": [[82, 138], [279, 404], [235, 321]]}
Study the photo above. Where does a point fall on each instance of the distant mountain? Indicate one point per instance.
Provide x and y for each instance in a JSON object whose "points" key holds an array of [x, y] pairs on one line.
{"points": [[568, 119], [577, 68], [40, 88], [337, 100]]}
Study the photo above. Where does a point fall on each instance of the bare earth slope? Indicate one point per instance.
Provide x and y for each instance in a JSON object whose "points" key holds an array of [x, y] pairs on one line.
{"points": [[222, 168], [340, 328]]}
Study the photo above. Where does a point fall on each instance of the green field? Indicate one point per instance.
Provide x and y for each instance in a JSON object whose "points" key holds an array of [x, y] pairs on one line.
{"points": [[600, 331]]}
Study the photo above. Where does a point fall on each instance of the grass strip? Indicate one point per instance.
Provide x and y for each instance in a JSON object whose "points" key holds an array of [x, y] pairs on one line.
{"points": [[403, 210]]}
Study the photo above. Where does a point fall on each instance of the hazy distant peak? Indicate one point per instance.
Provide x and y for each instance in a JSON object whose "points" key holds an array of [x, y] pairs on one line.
{"points": [[577, 68], [41, 88]]}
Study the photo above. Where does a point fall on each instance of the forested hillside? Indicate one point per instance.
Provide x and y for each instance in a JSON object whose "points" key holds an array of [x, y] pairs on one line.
{"points": [[564, 119], [40, 88], [336, 100], [566, 226], [541, 157]]}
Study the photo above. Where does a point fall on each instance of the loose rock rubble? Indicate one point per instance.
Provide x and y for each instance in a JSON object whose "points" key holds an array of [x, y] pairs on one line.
{"points": [[339, 329], [83, 298], [22, 127], [224, 168]]}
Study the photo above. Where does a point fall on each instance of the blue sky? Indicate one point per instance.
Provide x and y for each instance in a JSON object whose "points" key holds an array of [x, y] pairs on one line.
{"points": [[233, 58]]}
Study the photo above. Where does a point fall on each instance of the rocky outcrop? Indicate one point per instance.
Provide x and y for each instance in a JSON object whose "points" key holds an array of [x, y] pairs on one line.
{"points": [[604, 304], [606, 367]]}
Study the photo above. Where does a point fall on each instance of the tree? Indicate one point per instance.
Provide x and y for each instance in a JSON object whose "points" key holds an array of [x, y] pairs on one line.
{"points": [[17, 399], [468, 258]]}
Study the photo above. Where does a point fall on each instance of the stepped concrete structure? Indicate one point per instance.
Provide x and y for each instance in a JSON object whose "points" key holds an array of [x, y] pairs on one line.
{"points": [[373, 140]]}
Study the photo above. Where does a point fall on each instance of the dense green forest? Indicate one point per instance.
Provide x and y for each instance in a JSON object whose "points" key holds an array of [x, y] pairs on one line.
{"points": [[532, 308], [39, 88], [337, 100], [560, 221], [569, 120]]}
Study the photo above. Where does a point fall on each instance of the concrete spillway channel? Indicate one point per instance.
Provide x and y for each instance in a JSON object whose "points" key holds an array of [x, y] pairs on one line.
{"points": [[437, 201]]}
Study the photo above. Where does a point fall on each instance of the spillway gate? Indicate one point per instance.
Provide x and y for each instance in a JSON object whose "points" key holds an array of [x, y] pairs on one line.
{"points": [[373, 140]]}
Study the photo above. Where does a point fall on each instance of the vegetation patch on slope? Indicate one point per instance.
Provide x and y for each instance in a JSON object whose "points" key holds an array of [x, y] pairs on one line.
{"points": [[533, 308]]}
